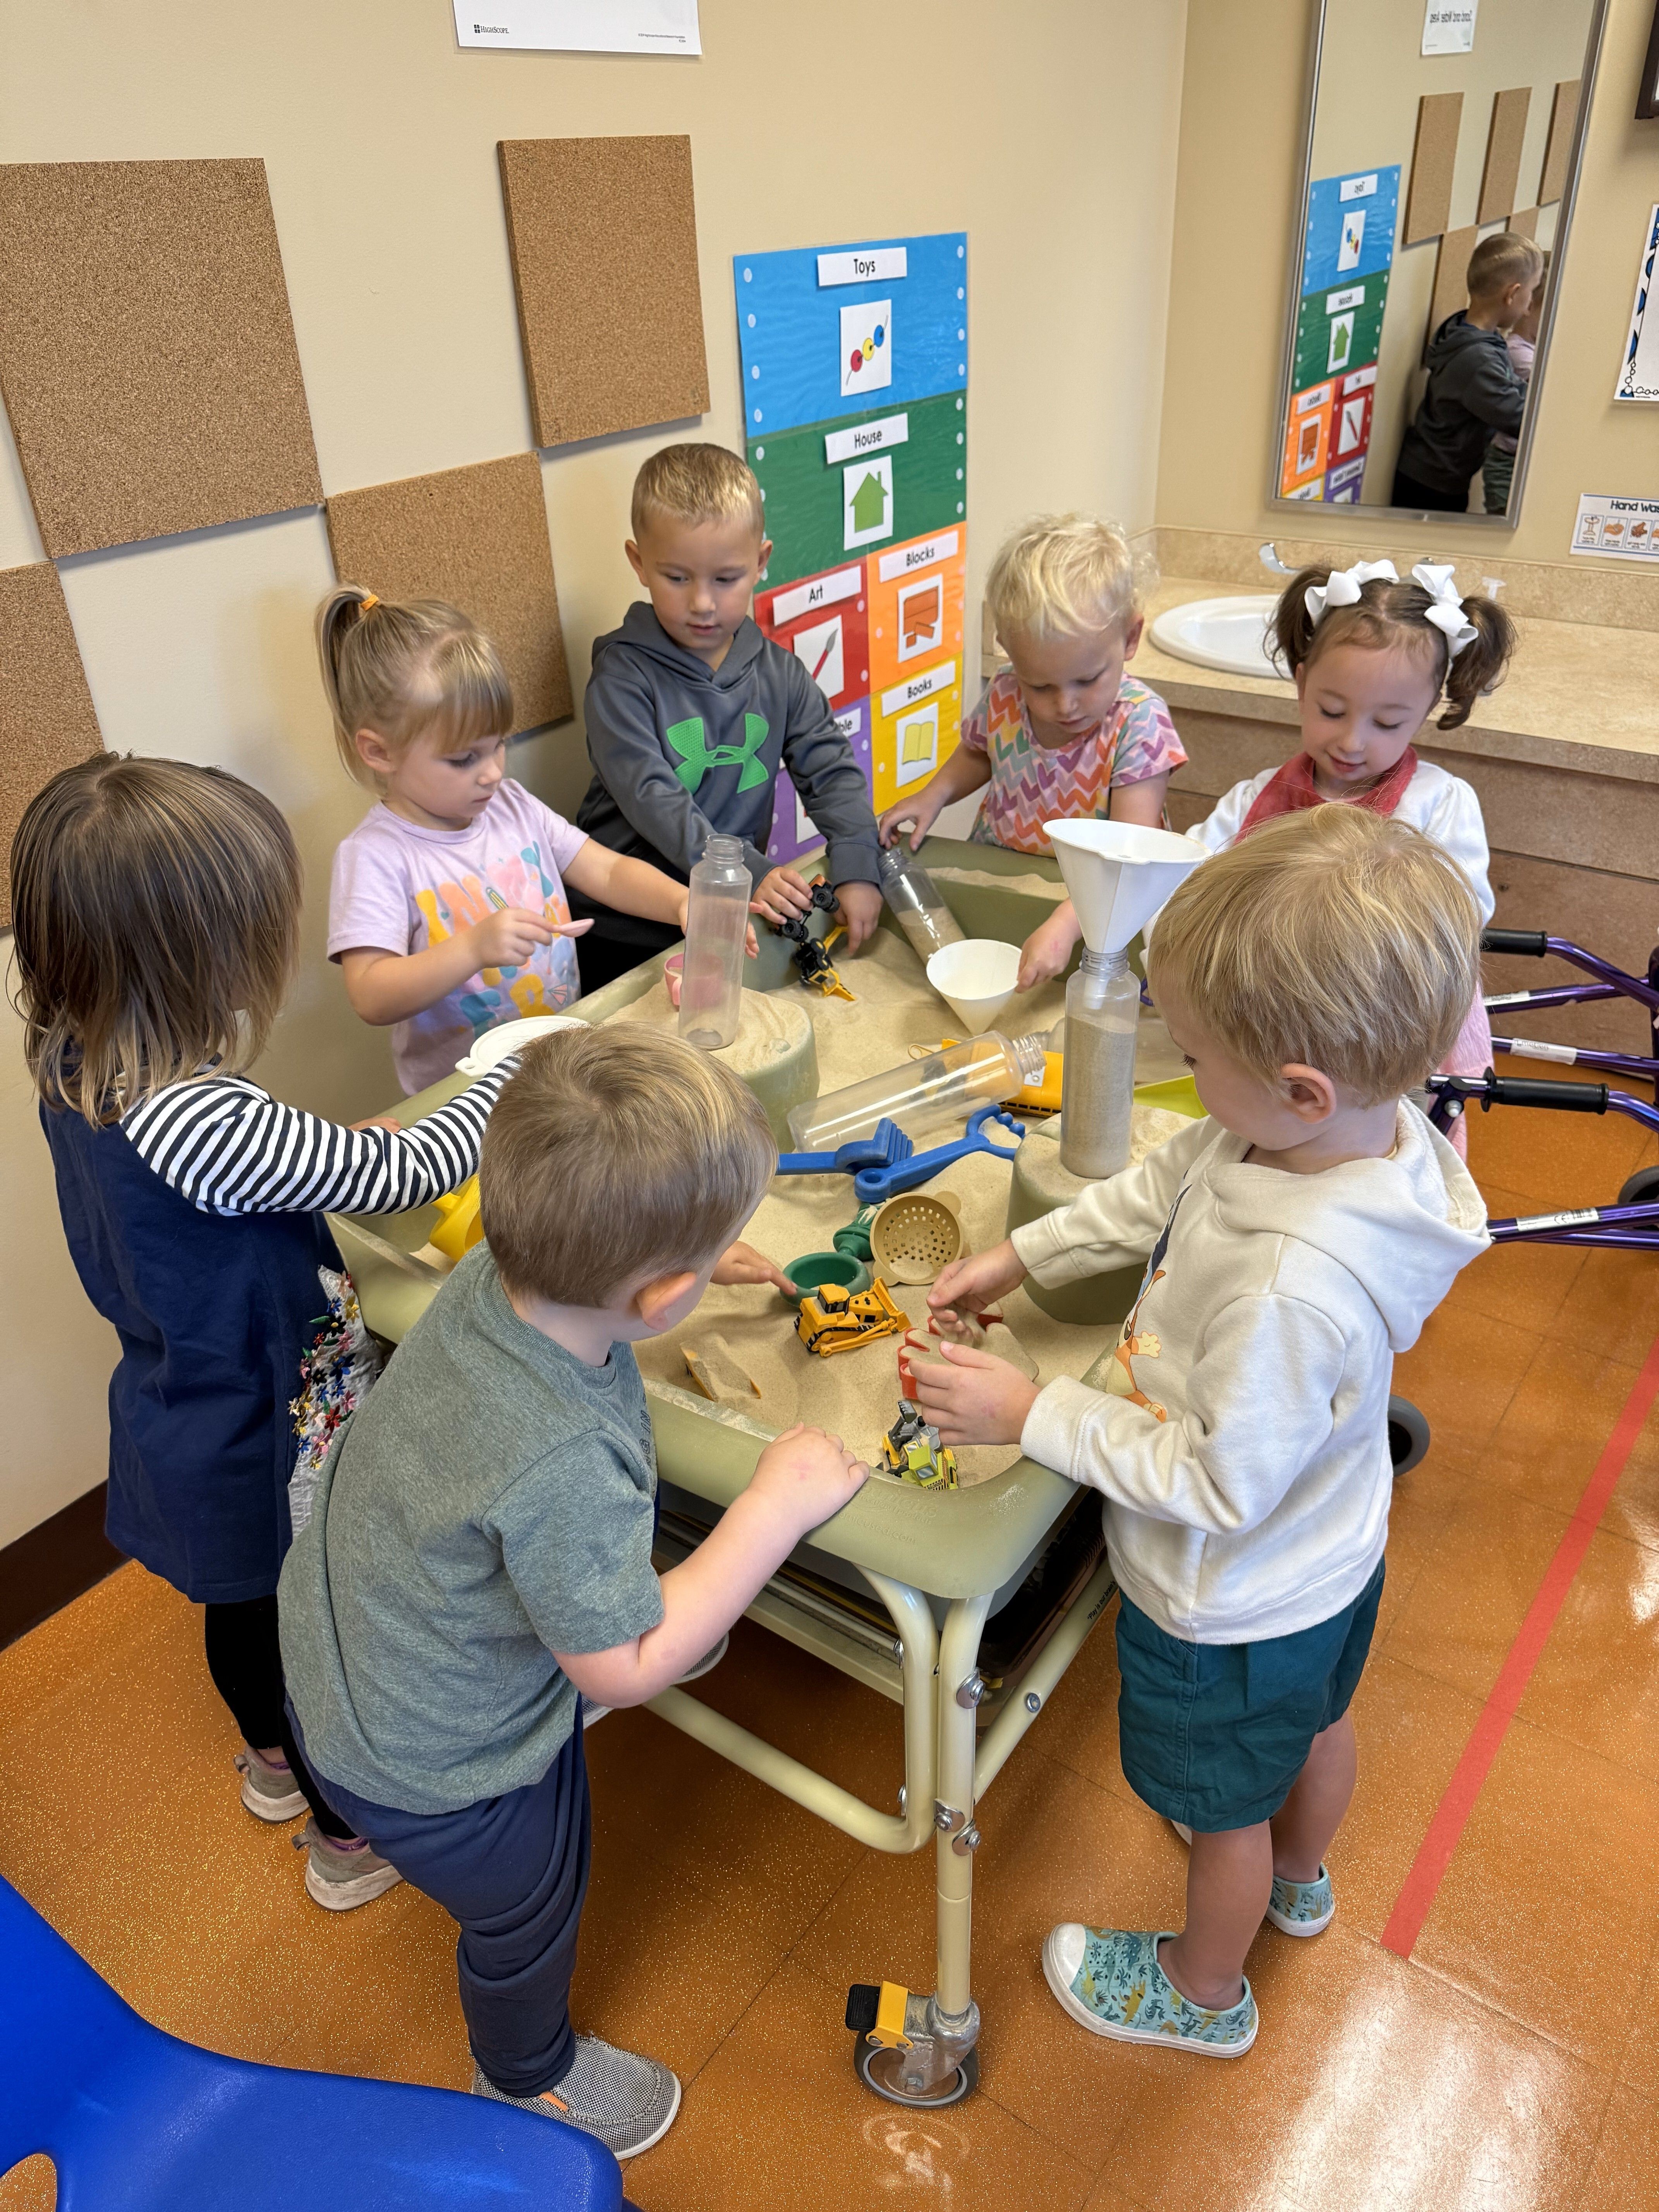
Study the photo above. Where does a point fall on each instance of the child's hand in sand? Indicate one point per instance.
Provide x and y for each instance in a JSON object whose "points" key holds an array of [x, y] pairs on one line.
{"points": [[804, 1476], [971, 1398], [970, 1285], [742, 1263]]}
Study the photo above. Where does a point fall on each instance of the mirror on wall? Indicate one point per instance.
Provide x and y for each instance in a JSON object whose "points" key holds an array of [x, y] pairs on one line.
{"points": [[1443, 156]]}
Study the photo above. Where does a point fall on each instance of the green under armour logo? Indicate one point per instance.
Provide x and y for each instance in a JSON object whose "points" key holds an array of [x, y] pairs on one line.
{"points": [[696, 758]]}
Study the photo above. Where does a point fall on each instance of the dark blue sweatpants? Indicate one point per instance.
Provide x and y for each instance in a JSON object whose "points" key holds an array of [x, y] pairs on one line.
{"points": [[513, 1871]]}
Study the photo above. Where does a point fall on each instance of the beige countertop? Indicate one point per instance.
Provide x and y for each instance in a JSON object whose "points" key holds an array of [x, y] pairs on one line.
{"points": [[1577, 697]]}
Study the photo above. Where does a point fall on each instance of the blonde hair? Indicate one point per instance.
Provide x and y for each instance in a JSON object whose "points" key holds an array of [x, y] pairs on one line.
{"points": [[403, 669], [1507, 258], [1336, 938], [1061, 575], [697, 483], [614, 1155], [156, 912]]}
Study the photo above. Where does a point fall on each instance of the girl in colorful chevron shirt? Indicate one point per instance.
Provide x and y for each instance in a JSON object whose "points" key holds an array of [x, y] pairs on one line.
{"points": [[447, 912], [1064, 731]]}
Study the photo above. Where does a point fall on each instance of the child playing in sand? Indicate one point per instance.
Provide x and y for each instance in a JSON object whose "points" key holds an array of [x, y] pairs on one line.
{"points": [[1064, 731]]}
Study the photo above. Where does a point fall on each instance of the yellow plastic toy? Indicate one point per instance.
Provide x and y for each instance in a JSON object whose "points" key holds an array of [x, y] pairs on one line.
{"points": [[911, 1450], [833, 1320], [459, 1226]]}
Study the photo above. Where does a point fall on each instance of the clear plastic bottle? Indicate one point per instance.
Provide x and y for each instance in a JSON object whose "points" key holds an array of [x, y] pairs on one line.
{"points": [[923, 1095], [1102, 1010], [711, 990], [929, 923]]}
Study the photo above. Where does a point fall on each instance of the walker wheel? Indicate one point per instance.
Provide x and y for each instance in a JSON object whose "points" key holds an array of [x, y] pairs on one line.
{"points": [[877, 2067], [1642, 1189], [1408, 1436]]}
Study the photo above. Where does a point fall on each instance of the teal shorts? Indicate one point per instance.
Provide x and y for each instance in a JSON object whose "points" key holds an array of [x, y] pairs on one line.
{"points": [[1214, 1735]]}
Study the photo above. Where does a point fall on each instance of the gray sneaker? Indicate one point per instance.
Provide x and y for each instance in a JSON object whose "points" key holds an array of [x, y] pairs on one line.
{"points": [[269, 1790], [628, 2102], [340, 1878], [593, 1715]]}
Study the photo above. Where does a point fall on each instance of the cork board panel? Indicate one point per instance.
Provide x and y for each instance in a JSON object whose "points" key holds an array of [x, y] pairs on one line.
{"points": [[476, 536], [603, 233], [1500, 180], [146, 353], [1451, 277], [1557, 151], [1434, 156], [1525, 223], [46, 722]]}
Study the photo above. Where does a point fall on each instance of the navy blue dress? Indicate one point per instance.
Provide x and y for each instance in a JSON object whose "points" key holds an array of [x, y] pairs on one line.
{"points": [[216, 1315]]}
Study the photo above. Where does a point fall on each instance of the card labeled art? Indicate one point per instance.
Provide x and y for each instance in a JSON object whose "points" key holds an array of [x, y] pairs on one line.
{"points": [[1638, 375]]}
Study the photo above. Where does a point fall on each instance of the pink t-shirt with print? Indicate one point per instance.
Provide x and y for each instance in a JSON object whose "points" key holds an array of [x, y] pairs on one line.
{"points": [[398, 887], [1030, 785]]}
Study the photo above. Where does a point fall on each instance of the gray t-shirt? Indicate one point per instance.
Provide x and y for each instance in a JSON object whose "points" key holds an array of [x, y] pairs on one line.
{"points": [[491, 1502]]}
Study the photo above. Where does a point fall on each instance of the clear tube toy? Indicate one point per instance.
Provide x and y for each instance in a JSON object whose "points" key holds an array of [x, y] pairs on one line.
{"points": [[1102, 1012], [924, 1094], [711, 989], [929, 923]]}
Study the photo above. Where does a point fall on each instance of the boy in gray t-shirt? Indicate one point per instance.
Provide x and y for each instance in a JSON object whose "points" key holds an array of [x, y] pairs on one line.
{"points": [[478, 1558]]}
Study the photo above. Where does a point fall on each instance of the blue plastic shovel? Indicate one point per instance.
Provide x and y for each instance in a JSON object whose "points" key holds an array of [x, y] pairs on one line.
{"points": [[888, 1164]]}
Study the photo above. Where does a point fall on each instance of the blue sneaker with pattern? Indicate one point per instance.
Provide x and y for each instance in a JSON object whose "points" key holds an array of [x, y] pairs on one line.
{"points": [[1110, 1981], [1301, 1908]]}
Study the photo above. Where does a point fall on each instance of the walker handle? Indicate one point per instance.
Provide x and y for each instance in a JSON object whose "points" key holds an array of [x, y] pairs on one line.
{"points": [[1566, 1098], [1531, 942]]}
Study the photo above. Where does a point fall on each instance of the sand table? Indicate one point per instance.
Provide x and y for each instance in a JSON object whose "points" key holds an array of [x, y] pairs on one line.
{"points": [[772, 1026], [855, 1393], [1037, 887]]}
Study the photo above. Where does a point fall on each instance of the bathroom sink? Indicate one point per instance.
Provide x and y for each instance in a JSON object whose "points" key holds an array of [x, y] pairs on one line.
{"points": [[1228, 634]]}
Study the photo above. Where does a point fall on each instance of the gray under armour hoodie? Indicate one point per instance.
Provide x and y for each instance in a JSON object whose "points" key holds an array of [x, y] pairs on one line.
{"points": [[682, 752], [1473, 391]]}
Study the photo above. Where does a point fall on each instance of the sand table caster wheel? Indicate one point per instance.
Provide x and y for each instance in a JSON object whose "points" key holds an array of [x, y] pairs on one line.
{"points": [[878, 2069], [1408, 1436]]}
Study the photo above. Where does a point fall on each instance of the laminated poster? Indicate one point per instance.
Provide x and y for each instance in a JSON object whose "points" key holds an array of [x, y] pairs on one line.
{"points": [[1638, 375], [1347, 255], [854, 367]]}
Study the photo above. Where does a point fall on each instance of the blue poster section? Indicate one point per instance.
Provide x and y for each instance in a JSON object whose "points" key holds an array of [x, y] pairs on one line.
{"points": [[811, 350], [1350, 225]]}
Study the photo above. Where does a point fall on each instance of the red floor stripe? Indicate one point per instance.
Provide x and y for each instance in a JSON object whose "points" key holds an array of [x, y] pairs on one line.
{"points": [[1428, 1869]]}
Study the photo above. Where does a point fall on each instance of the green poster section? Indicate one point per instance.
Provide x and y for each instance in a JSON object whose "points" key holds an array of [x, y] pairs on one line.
{"points": [[1330, 343], [822, 514]]}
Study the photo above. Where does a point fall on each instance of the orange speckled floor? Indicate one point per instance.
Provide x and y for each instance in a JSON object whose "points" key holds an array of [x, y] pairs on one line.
{"points": [[1511, 2063]]}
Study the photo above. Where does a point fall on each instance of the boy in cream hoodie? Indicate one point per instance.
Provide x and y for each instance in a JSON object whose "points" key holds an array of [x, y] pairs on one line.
{"points": [[1298, 1239]]}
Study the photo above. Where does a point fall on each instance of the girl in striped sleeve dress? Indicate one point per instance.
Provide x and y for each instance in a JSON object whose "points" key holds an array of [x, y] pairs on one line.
{"points": [[156, 915]]}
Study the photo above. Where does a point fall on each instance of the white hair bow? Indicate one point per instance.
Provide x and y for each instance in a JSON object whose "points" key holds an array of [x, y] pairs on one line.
{"points": [[1342, 588], [1446, 612]]}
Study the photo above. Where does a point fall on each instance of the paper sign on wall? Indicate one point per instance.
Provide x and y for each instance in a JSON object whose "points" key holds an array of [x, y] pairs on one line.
{"points": [[1449, 27], [585, 27], [1617, 529], [1638, 378]]}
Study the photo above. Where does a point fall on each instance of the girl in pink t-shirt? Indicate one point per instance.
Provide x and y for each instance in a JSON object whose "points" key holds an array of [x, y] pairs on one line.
{"points": [[1064, 732], [447, 911]]}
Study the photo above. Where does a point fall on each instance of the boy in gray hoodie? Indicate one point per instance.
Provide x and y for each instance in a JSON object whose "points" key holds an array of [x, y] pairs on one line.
{"points": [[1473, 389], [691, 711], [1298, 1238]]}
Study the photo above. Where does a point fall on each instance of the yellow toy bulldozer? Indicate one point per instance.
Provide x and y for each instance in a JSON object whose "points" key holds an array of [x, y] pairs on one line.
{"points": [[833, 1319]]}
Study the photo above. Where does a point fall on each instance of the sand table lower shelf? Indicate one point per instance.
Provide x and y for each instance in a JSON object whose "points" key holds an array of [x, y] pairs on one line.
{"points": [[855, 1393]]}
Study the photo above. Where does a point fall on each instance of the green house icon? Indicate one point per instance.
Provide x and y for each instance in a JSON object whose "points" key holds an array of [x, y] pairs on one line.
{"points": [[870, 502]]}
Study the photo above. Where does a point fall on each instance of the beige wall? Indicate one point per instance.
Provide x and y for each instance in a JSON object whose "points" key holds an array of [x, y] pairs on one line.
{"points": [[1241, 133], [1055, 147]]}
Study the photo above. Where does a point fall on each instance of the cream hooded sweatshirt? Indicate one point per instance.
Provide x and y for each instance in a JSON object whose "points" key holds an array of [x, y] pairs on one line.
{"points": [[1242, 1440]]}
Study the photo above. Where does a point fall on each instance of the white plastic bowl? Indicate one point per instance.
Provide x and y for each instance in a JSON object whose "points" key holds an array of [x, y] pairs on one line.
{"points": [[976, 979], [495, 1045]]}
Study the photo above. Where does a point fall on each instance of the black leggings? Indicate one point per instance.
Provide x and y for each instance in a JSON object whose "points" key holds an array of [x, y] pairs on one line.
{"points": [[246, 1661]]}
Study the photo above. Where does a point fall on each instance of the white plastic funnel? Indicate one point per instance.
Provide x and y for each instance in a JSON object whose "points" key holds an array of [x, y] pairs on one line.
{"points": [[1119, 874], [976, 979]]}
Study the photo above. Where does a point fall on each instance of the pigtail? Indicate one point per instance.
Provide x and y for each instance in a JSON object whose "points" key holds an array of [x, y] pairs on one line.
{"points": [[1292, 626], [1482, 664], [340, 613]]}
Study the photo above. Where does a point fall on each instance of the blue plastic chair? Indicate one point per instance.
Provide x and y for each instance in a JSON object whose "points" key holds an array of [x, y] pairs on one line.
{"points": [[137, 2121]]}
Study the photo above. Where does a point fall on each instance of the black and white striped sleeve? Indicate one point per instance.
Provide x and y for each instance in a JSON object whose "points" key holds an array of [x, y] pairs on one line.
{"points": [[230, 1147]]}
